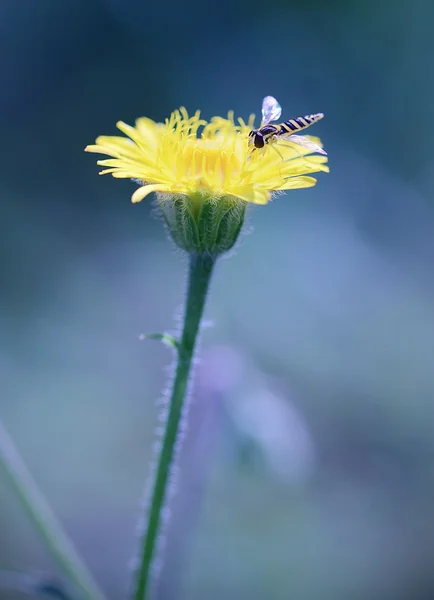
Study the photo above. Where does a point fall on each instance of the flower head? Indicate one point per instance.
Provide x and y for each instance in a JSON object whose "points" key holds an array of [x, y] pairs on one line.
{"points": [[215, 165], [173, 158]]}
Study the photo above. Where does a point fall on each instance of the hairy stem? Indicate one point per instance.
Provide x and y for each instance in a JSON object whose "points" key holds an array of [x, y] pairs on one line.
{"points": [[55, 538], [200, 272]]}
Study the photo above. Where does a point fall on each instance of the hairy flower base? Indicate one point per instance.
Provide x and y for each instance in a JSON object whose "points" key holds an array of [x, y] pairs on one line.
{"points": [[200, 224]]}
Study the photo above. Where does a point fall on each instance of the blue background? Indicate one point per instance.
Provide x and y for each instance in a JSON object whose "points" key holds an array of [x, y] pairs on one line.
{"points": [[308, 470]]}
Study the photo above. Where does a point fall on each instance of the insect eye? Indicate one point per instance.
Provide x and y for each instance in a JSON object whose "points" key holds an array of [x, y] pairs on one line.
{"points": [[259, 140]]}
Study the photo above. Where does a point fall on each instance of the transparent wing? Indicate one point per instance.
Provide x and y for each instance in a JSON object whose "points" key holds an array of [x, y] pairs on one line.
{"points": [[271, 110], [301, 140]]}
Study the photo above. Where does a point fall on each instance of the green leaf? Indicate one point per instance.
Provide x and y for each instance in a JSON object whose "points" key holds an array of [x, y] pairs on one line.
{"points": [[164, 338]]}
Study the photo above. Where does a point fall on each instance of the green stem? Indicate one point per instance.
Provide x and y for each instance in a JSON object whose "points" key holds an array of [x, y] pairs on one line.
{"points": [[44, 520], [200, 272]]}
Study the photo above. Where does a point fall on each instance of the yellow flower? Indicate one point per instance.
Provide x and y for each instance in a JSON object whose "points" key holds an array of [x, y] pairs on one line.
{"points": [[173, 158]]}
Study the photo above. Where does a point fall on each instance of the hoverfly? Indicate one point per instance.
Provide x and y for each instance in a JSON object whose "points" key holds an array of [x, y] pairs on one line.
{"points": [[271, 111]]}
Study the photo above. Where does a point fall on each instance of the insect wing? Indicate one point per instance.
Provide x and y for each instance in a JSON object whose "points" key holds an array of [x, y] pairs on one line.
{"points": [[271, 110], [301, 140]]}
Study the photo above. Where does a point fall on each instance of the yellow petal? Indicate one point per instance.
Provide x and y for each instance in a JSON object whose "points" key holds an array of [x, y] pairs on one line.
{"points": [[124, 162], [317, 158], [131, 132], [106, 171], [119, 174], [302, 166], [298, 182], [94, 148], [145, 190], [149, 130], [116, 146], [251, 194]]}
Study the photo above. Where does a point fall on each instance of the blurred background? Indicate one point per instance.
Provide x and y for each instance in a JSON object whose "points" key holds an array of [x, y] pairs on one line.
{"points": [[308, 471]]}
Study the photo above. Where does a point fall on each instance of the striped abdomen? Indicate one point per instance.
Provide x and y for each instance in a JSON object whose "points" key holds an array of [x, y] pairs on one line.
{"points": [[294, 125]]}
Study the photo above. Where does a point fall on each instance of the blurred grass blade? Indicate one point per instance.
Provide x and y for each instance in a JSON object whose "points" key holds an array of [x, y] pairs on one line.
{"points": [[33, 585], [44, 520]]}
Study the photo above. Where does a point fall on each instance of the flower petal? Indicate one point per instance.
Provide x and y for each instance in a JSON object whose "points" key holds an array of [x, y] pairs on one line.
{"points": [[294, 183], [252, 194], [145, 190]]}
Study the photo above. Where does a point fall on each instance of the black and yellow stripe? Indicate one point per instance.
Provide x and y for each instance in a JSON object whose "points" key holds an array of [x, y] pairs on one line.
{"points": [[293, 125]]}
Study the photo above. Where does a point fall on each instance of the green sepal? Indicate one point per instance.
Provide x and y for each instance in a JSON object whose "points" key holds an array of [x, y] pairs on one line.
{"points": [[201, 224], [164, 338]]}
